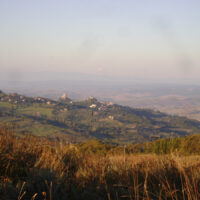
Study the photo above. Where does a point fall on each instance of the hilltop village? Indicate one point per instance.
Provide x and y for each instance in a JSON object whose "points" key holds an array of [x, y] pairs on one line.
{"points": [[20, 99], [91, 102]]}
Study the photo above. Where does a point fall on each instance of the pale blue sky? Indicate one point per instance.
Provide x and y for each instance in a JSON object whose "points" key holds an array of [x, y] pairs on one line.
{"points": [[153, 39]]}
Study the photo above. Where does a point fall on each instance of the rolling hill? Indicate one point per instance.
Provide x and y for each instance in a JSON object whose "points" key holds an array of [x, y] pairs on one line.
{"points": [[89, 119]]}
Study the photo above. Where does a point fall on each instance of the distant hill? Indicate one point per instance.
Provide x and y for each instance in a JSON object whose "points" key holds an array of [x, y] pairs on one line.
{"points": [[90, 119]]}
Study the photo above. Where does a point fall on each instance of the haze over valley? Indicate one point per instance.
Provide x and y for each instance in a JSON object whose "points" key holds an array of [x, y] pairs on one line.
{"points": [[174, 98]]}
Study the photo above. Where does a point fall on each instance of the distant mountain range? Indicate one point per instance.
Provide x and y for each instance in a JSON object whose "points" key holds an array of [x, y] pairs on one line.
{"points": [[89, 119]]}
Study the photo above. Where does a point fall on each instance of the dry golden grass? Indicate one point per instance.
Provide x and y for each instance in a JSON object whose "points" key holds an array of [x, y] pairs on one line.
{"points": [[37, 168]]}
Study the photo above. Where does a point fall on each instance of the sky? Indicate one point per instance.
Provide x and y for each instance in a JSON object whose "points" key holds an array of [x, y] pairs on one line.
{"points": [[123, 39]]}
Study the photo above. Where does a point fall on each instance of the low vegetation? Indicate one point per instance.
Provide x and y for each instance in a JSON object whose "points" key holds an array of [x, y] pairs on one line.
{"points": [[189, 145], [43, 169]]}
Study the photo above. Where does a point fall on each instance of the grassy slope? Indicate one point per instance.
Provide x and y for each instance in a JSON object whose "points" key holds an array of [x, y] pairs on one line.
{"points": [[37, 168]]}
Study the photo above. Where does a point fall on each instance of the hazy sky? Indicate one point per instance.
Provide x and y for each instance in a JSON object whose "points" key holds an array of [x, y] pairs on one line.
{"points": [[149, 39]]}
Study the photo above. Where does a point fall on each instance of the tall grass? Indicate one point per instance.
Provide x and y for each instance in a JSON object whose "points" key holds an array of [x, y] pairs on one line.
{"points": [[38, 168]]}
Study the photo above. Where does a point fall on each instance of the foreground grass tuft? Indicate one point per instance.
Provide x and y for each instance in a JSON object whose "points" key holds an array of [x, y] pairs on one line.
{"points": [[33, 168]]}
